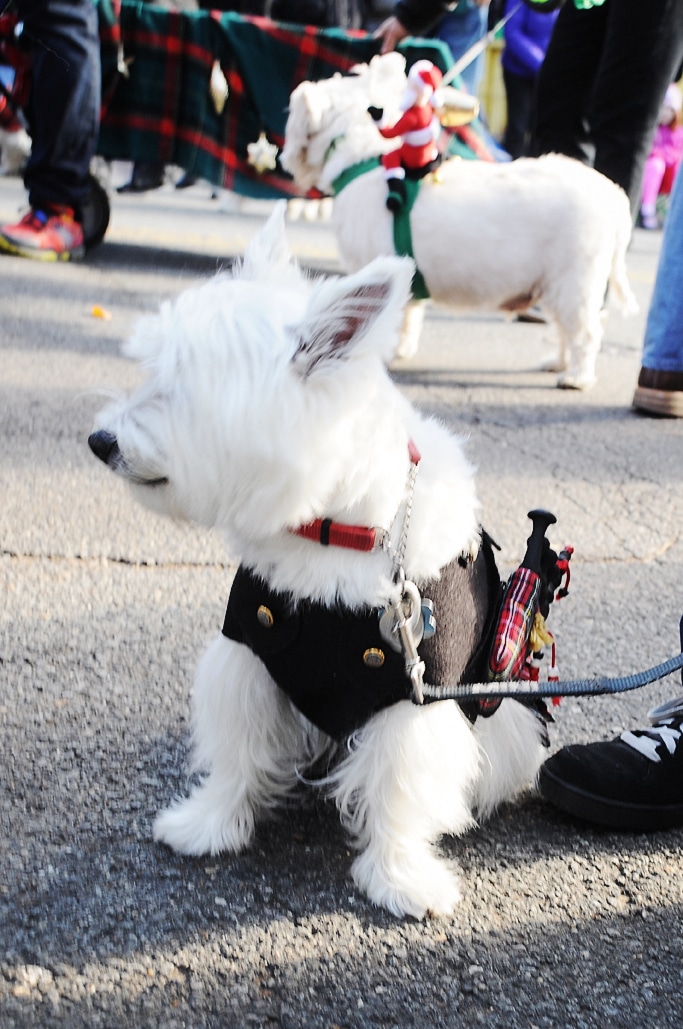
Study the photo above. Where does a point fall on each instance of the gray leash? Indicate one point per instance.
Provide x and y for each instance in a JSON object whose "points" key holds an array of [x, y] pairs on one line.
{"points": [[478, 47], [523, 688]]}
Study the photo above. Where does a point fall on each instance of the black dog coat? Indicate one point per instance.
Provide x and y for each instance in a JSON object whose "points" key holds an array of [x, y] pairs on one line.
{"points": [[334, 664]]}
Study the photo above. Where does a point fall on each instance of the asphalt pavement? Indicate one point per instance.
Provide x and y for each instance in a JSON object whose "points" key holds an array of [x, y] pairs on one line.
{"points": [[105, 609]]}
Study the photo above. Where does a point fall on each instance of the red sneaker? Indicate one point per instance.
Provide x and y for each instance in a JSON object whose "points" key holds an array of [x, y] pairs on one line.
{"points": [[52, 235]]}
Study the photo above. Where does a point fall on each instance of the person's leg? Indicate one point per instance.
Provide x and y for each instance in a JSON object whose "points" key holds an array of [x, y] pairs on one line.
{"points": [[655, 167], [643, 48], [663, 344], [565, 81], [668, 178], [660, 383], [65, 99], [518, 92]]}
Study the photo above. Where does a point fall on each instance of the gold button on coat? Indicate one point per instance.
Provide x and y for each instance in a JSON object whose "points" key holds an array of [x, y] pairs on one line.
{"points": [[373, 657], [265, 617]]}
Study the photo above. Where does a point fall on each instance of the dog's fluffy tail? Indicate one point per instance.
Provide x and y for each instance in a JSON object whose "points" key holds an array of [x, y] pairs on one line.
{"points": [[618, 279]]}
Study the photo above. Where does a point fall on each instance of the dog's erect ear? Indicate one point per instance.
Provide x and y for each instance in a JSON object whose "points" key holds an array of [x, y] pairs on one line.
{"points": [[269, 250], [314, 102], [365, 308], [387, 68]]}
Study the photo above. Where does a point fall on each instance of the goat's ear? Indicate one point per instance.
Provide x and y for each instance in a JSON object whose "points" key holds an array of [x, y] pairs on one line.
{"points": [[269, 250], [362, 312]]}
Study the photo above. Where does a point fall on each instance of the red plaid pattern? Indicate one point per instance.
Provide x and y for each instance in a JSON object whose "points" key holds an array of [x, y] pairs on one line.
{"points": [[520, 604], [162, 109]]}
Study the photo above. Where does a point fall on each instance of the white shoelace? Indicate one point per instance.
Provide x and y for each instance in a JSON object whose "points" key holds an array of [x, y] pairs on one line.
{"points": [[646, 741]]}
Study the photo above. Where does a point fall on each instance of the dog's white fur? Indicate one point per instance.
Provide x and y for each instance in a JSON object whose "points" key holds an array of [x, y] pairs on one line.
{"points": [[485, 235], [268, 404], [15, 149]]}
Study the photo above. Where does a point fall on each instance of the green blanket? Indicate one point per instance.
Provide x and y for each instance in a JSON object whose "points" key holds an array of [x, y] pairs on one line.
{"points": [[163, 110]]}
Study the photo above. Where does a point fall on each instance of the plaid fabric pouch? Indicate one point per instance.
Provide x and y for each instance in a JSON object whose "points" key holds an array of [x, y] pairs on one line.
{"points": [[519, 607]]}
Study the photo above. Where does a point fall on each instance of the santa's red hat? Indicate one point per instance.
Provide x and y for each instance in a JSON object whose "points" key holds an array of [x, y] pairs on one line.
{"points": [[426, 74]]}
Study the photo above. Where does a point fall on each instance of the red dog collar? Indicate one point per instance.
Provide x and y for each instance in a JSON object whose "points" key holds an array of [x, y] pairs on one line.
{"points": [[351, 537]]}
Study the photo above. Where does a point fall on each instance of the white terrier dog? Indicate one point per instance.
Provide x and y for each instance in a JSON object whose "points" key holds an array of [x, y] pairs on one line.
{"points": [[268, 407], [495, 236]]}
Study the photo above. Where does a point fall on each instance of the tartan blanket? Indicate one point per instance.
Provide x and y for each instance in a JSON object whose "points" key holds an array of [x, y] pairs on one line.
{"points": [[162, 110]]}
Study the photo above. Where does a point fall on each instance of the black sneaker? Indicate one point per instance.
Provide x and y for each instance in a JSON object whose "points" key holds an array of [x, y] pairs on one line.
{"points": [[633, 782]]}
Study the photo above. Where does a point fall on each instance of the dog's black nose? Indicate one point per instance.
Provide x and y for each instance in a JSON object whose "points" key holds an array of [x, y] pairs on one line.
{"points": [[103, 445]]}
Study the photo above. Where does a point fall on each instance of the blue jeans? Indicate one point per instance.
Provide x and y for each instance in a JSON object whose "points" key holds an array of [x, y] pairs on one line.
{"points": [[461, 29], [64, 107], [663, 344]]}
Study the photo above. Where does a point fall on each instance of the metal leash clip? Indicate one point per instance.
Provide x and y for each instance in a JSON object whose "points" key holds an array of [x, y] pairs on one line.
{"points": [[403, 624]]}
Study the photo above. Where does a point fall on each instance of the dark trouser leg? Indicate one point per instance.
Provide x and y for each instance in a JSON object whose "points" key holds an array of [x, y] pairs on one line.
{"points": [[642, 51], [65, 99], [603, 80], [565, 82], [518, 92]]}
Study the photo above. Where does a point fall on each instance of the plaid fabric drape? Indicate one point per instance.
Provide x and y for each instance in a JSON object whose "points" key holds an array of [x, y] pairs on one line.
{"points": [[163, 111]]}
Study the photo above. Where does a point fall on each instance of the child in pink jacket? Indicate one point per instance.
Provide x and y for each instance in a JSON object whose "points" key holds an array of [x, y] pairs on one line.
{"points": [[664, 158]]}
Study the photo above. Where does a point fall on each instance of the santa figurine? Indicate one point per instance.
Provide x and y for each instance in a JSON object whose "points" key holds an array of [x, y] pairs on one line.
{"points": [[418, 127]]}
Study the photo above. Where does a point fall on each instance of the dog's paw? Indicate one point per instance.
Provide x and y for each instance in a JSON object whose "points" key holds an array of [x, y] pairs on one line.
{"points": [[407, 347], [413, 319], [582, 381], [552, 363], [430, 888], [196, 827]]}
